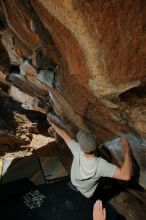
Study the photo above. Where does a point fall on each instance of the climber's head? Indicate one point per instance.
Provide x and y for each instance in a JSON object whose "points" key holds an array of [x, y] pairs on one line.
{"points": [[87, 141]]}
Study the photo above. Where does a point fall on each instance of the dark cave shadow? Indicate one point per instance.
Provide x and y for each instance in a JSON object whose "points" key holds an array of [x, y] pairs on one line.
{"points": [[111, 209], [10, 192], [107, 189]]}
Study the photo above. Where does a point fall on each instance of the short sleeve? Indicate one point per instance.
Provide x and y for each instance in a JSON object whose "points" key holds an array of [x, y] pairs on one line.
{"points": [[106, 169], [73, 146]]}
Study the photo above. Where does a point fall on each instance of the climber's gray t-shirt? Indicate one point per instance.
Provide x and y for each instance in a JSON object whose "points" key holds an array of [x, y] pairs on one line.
{"points": [[85, 172]]}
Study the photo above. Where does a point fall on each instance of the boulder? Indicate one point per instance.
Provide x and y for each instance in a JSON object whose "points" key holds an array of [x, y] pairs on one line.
{"points": [[19, 95], [28, 71], [39, 60], [35, 105], [47, 77], [12, 45], [28, 87], [113, 151]]}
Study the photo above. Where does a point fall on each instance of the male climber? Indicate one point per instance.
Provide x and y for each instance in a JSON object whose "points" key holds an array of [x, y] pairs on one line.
{"points": [[87, 168]]}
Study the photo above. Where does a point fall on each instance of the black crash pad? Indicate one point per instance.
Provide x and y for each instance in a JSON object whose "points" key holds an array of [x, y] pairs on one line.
{"points": [[57, 201], [16, 188]]}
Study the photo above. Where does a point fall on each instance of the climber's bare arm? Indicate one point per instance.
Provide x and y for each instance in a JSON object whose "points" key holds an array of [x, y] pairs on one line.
{"points": [[60, 131], [124, 172], [66, 137]]}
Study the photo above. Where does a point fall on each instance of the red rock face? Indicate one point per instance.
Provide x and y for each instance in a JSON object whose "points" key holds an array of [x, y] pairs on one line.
{"points": [[18, 17], [99, 49], [26, 25], [118, 29], [110, 37], [73, 57]]}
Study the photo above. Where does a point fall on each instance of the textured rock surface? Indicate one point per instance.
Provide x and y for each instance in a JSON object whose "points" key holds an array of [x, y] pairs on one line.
{"points": [[109, 38], [129, 207], [12, 45], [138, 147], [17, 126], [18, 95], [95, 52]]}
